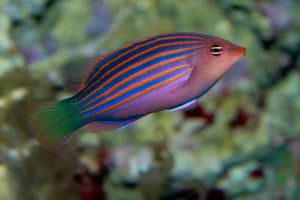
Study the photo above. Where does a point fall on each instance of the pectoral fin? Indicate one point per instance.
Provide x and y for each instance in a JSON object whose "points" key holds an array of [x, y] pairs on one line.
{"points": [[184, 80]]}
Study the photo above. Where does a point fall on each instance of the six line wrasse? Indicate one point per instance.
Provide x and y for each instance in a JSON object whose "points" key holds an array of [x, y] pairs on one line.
{"points": [[167, 71]]}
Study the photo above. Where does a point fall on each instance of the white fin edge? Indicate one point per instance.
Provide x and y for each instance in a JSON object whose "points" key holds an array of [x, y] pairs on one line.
{"points": [[183, 105]]}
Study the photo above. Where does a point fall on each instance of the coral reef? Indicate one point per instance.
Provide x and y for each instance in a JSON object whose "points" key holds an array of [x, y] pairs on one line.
{"points": [[240, 141]]}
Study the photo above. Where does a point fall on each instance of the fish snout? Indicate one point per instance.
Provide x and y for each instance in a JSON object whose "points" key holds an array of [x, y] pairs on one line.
{"points": [[237, 50], [243, 51], [240, 50]]}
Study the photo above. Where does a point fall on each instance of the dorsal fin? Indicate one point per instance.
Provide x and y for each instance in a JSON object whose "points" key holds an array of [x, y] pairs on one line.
{"points": [[75, 73], [94, 62]]}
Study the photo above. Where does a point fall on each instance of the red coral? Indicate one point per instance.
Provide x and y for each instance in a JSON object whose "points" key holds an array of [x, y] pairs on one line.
{"points": [[198, 111], [92, 182], [257, 173], [240, 119]]}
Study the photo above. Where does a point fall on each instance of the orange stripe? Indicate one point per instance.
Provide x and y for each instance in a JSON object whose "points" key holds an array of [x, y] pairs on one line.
{"points": [[135, 56], [130, 78], [136, 65], [135, 48], [139, 94], [160, 38], [138, 85], [129, 59]]}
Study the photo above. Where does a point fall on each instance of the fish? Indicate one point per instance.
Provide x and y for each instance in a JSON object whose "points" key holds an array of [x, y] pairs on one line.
{"points": [[163, 72]]}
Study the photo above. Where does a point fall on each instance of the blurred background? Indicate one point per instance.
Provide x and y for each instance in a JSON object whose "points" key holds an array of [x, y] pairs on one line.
{"points": [[241, 141]]}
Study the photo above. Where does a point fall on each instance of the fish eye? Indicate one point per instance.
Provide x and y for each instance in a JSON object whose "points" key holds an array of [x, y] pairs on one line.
{"points": [[216, 50], [73, 101]]}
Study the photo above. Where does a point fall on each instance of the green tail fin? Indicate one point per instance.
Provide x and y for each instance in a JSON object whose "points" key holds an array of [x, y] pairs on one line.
{"points": [[53, 123]]}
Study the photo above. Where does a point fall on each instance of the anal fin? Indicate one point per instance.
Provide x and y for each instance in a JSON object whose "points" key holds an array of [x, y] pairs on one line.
{"points": [[182, 106], [101, 126]]}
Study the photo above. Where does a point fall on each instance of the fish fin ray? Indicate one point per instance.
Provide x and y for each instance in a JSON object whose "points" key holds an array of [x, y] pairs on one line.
{"points": [[101, 126], [184, 82], [183, 106], [77, 81], [92, 65], [51, 125]]}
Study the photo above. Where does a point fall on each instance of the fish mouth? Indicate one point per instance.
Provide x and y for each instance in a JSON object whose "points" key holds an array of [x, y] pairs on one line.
{"points": [[239, 50], [243, 50]]}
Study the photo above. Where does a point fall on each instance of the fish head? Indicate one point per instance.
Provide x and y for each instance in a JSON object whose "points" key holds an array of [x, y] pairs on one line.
{"points": [[217, 57]]}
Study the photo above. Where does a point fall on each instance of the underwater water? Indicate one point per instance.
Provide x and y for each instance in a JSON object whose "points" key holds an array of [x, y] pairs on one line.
{"points": [[240, 141]]}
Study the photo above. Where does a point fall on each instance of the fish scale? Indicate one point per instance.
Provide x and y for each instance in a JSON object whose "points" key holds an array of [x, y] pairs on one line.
{"points": [[159, 65], [115, 57], [146, 55]]}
